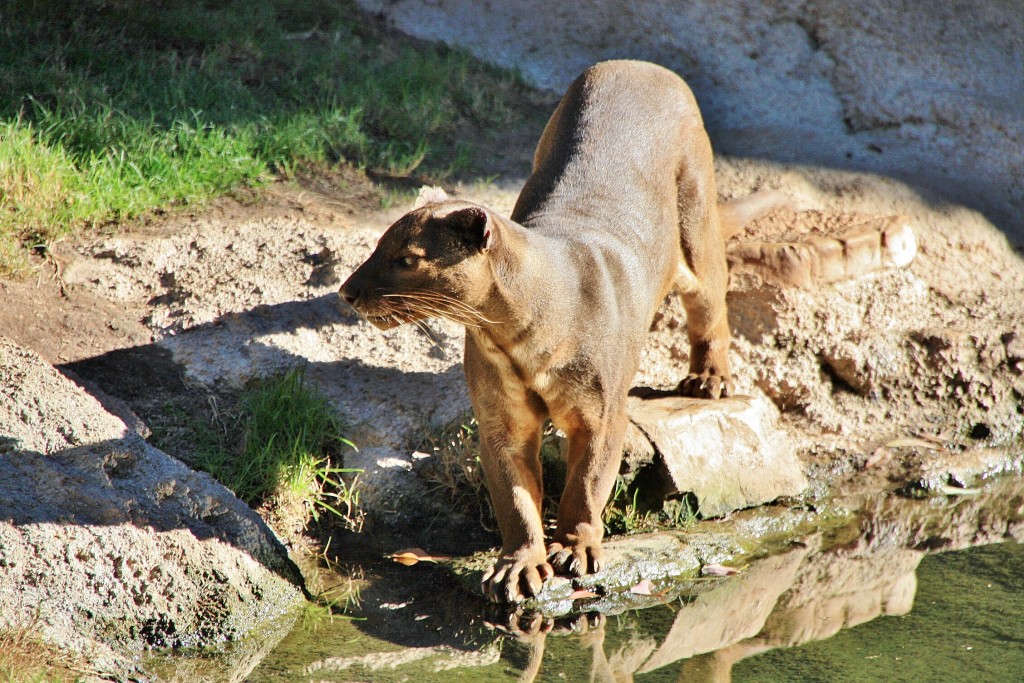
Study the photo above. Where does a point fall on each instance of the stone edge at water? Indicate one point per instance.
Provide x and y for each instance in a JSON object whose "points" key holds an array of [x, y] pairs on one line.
{"points": [[672, 560]]}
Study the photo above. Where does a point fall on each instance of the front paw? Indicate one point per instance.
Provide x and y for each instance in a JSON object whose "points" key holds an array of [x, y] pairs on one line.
{"points": [[575, 558], [516, 576], [706, 385]]}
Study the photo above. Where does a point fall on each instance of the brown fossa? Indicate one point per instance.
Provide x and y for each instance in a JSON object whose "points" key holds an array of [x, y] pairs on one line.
{"points": [[621, 205]]}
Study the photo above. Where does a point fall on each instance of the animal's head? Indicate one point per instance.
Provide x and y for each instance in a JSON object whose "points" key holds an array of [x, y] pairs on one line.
{"points": [[433, 262]]}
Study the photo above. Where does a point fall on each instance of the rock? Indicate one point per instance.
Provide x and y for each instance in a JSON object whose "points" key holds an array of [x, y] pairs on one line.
{"points": [[728, 452], [110, 545], [749, 61], [671, 559]]}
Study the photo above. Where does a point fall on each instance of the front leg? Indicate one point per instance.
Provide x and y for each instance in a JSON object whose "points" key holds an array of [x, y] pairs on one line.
{"points": [[595, 452], [511, 419], [510, 455]]}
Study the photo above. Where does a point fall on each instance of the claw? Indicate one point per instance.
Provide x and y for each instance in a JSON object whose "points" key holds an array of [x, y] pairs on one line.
{"points": [[706, 386], [575, 560], [515, 577]]}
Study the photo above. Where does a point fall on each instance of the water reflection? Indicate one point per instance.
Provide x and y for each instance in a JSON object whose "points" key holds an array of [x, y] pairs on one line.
{"points": [[824, 583], [819, 585]]}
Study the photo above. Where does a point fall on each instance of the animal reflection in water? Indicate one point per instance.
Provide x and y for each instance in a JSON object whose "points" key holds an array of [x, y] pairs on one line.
{"points": [[820, 585]]}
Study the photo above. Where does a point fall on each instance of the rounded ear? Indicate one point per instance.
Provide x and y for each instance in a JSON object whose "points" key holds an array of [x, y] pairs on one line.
{"points": [[430, 195], [474, 226]]}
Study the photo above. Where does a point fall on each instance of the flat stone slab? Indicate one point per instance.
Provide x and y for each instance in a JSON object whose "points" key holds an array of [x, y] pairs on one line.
{"points": [[671, 559], [728, 452]]}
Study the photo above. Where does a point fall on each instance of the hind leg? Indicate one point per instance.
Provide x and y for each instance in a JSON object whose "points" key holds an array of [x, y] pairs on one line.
{"points": [[709, 375], [705, 276]]}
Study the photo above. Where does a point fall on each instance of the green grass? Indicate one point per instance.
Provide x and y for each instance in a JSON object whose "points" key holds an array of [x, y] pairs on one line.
{"points": [[291, 443], [631, 512], [110, 108]]}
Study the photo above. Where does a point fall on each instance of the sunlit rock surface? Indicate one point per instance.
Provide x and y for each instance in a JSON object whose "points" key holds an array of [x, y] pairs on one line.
{"points": [[109, 546], [727, 452]]}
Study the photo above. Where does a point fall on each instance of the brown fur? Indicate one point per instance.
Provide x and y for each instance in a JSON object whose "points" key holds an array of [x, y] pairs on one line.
{"points": [[557, 301]]}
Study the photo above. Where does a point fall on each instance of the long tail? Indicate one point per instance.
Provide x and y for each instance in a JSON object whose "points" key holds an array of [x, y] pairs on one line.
{"points": [[736, 213]]}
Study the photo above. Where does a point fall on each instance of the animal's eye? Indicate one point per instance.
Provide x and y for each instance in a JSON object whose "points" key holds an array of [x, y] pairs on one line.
{"points": [[407, 261]]}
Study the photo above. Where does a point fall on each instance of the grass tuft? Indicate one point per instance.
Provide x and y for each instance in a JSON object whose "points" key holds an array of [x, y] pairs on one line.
{"points": [[25, 658], [456, 472], [628, 513], [290, 450], [111, 108]]}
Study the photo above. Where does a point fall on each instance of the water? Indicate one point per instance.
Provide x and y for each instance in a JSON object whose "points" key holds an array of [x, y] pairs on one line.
{"points": [[908, 590], [967, 624]]}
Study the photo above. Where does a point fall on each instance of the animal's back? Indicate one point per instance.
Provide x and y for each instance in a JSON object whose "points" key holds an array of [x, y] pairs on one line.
{"points": [[611, 149], [605, 182]]}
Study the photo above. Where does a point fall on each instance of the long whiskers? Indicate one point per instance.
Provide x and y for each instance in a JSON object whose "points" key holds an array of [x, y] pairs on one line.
{"points": [[431, 336], [400, 311], [427, 303]]}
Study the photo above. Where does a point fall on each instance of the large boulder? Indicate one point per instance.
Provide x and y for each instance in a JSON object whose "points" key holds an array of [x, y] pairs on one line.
{"points": [[108, 545], [806, 81]]}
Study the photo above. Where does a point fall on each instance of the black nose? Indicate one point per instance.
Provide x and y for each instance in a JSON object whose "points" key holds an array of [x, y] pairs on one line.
{"points": [[349, 294]]}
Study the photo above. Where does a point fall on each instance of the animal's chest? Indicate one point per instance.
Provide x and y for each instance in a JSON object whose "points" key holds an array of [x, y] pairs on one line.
{"points": [[529, 365]]}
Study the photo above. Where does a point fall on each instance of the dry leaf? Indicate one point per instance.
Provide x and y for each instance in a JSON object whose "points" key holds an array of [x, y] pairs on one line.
{"points": [[408, 559], [718, 570], [645, 587], [411, 556], [583, 595]]}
